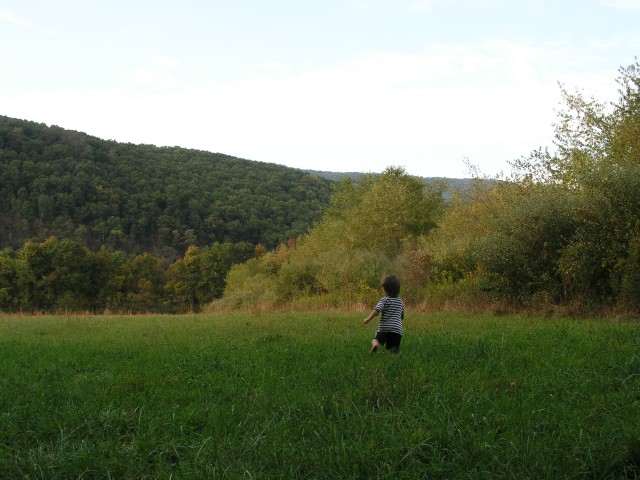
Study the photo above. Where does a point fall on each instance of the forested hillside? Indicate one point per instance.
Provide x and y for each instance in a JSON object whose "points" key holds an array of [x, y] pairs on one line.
{"points": [[142, 198]]}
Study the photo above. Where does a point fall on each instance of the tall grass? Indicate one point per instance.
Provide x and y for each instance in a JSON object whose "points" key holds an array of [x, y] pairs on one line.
{"points": [[295, 395]]}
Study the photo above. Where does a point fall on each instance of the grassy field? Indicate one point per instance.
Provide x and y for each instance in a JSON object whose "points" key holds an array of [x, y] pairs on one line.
{"points": [[297, 396]]}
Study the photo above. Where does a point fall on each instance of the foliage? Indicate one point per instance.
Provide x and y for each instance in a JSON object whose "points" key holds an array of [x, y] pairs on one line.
{"points": [[198, 277], [521, 255], [363, 234], [61, 276], [55, 273], [8, 279], [564, 228], [137, 198]]}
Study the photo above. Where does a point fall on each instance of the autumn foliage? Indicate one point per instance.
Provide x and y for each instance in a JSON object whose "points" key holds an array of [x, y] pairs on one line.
{"points": [[561, 233]]}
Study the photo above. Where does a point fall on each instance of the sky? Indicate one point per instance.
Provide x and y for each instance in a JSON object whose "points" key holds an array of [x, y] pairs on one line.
{"points": [[432, 86]]}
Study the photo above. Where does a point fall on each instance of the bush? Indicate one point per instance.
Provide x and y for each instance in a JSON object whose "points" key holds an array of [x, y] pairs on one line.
{"points": [[342, 259]]}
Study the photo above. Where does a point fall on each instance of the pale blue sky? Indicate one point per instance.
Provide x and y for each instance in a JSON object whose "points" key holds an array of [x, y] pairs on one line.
{"points": [[340, 85]]}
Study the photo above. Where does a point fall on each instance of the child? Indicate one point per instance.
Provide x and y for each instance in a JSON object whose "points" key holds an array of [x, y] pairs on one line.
{"points": [[391, 308]]}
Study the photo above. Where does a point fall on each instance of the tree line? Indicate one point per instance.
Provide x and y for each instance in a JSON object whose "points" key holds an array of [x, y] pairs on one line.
{"points": [[561, 233], [59, 275]]}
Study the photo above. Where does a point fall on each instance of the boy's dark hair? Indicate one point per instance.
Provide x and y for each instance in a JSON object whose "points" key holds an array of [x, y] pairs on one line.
{"points": [[391, 285]]}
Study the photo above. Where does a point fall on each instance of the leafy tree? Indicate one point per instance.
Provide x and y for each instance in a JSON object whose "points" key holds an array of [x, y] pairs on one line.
{"points": [[187, 278], [367, 227], [8, 280], [143, 284], [599, 159], [54, 274], [564, 227], [521, 256], [199, 277]]}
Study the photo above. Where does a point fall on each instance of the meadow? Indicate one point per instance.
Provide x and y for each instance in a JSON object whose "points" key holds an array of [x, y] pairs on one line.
{"points": [[296, 395]]}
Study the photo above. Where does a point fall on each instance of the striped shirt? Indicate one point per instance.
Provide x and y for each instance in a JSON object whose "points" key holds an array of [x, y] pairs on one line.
{"points": [[391, 314]]}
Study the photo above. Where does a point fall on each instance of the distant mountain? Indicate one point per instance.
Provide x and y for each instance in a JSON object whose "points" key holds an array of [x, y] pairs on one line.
{"points": [[335, 176], [57, 182], [452, 183]]}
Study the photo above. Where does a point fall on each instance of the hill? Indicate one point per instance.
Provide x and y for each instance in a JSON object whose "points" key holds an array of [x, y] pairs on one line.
{"points": [[58, 182]]}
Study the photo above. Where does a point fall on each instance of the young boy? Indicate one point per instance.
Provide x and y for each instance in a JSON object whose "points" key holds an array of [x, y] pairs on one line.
{"points": [[391, 310]]}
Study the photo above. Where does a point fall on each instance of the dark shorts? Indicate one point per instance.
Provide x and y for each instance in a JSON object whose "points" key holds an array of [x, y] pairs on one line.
{"points": [[390, 340]]}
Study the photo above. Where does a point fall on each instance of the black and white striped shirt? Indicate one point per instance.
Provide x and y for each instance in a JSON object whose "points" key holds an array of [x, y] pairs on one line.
{"points": [[391, 314]]}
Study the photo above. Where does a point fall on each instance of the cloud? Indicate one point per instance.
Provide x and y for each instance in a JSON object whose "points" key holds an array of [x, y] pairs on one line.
{"points": [[15, 19]]}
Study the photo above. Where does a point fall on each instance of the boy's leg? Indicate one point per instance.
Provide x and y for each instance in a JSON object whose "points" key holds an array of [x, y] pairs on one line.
{"points": [[393, 342], [374, 346]]}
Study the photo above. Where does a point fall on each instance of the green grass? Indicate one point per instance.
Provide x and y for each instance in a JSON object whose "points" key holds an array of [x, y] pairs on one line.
{"points": [[296, 396]]}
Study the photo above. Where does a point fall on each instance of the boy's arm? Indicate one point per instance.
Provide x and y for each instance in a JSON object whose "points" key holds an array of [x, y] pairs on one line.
{"points": [[374, 313]]}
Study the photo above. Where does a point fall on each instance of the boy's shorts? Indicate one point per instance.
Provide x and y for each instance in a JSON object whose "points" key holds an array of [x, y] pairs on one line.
{"points": [[390, 340]]}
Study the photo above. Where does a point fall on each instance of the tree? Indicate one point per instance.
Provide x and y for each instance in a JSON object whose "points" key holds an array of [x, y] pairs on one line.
{"points": [[144, 280], [367, 227], [567, 219], [200, 276], [8, 280], [56, 274]]}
